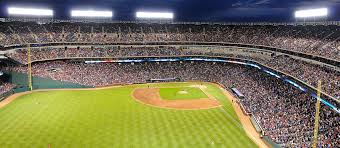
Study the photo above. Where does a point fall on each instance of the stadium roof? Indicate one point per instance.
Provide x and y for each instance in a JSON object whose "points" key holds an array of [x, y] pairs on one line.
{"points": [[187, 10]]}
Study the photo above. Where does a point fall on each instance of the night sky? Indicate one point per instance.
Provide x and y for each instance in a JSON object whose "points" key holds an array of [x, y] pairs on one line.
{"points": [[188, 10]]}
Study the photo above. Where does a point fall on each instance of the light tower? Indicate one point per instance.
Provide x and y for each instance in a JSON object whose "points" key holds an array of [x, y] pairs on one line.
{"points": [[311, 14], [149, 16], [92, 15]]}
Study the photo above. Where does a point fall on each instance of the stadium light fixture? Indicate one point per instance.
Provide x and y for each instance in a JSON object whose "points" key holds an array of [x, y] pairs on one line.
{"points": [[29, 11], [155, 15], [91, 13], [320, 12]]}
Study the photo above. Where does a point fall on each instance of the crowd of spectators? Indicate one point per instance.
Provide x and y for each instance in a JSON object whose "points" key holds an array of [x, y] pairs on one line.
{"points": [[285, 113], [48, 53], [5, 87], [307, 72], [318, 40]]}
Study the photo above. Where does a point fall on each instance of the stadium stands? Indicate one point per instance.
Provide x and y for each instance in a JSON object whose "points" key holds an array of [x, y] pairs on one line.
{"points": [[304, 71], [285, 113], [309, 73], [5, 87], [317, 40]]}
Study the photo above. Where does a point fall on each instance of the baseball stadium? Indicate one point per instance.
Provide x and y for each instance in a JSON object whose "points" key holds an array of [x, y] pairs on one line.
{"points": [[103, 78]]}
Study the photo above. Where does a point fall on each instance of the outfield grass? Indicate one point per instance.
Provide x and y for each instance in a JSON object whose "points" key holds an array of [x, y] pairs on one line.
{"points": [[111, 118], [174, 93]]}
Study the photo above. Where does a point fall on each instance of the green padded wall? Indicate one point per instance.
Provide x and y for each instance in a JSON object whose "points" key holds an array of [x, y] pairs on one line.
{"points": [[21, 80]]}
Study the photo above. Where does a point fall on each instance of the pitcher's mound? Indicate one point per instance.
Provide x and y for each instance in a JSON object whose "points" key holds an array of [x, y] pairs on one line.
{"points": [[151, 96], [183, 92]]}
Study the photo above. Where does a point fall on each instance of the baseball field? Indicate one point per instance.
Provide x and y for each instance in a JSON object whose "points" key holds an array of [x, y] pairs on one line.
{"points": [[142, 115]]}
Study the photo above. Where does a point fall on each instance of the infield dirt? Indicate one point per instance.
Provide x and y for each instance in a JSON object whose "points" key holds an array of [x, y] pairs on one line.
{"points": [[150, 96]]}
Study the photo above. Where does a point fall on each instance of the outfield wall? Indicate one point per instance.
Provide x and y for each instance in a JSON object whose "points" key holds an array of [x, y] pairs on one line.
{"points": [[21, 81]]}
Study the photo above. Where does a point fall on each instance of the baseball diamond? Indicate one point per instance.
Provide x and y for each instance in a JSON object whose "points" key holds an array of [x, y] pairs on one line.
{"points": [[105, 117]]}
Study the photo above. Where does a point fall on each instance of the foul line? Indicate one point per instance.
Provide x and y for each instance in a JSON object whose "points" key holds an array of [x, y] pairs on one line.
{"points": [[244, 119]]}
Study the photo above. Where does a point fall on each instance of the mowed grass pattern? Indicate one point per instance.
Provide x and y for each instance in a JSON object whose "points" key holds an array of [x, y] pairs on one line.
{"points": [[111, 118], [175, 93]]}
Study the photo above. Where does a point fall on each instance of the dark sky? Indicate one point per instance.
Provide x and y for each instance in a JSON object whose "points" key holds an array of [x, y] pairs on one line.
{"points": [[188, 10]]}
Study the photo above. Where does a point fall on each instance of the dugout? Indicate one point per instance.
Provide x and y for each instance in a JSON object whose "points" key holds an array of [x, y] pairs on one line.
{"points": [[163, 80]]}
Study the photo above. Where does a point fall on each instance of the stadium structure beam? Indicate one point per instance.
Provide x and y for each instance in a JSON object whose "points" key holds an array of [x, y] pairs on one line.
{"points": [[154, 15], [20, 11]]}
